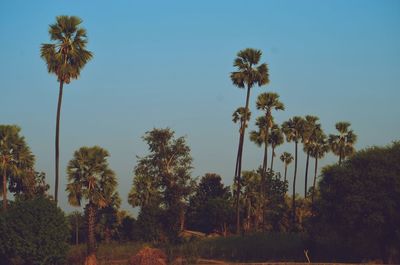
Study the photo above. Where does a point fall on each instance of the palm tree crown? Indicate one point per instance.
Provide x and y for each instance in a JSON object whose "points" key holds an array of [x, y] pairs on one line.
{"points": [[342, 144], [90, 178], [249, 73], [67, 55]]}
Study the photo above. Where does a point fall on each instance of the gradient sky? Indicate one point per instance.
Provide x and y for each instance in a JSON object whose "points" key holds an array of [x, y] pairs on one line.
{"points": [[167, 63]]}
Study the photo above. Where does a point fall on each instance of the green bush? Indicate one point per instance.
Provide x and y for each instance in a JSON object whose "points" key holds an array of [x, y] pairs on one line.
{"points": [[33, 232]]}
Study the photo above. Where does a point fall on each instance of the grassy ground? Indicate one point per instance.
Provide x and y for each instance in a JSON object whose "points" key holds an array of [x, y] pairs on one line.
{"points": [[113, 253]]}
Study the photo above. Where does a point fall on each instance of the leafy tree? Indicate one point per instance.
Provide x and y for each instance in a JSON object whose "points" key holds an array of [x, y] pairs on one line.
{"points": [[65, 58], [165, 176], [77, 226], [33, 232], [248, 74], [16, 159], [273, 201], [275, 139], [286, 158], [90, 179], [210, 207], [32, 185], [359, 202], [342, 144], [127, 226], [108, 218], [311, 129], [293, 129]]}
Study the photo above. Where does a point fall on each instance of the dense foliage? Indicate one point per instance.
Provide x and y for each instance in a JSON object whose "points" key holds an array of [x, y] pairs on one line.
{"points": [[359, 204], [33, 232]]}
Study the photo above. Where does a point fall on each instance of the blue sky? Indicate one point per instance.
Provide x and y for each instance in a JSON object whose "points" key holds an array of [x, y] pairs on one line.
{"points": [[167, 63]]}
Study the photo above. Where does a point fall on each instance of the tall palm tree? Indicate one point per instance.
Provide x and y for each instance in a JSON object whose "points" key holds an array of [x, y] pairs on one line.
{"points": [[286, 158], [16, 159], [342, 144], [311, 128], [275, 139], [90, 179], [248, 74], [65, 58], [293, 129], [318, 150], [268, 102]]}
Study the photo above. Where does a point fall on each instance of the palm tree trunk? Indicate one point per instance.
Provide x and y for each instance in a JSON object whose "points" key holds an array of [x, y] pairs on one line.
{"points": [[285, 171], [314, 182], [239, 161], [57, 139], [265, 161], [294, 188], [77, 230], [4, 185], [306, 175], [272, 157], [91, 245]]}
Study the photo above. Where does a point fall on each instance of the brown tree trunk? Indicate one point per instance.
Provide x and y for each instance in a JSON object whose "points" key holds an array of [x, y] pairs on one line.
{"points": [[60, 94], [4, 185], [272, 158], [285, 171], [306, 175], [91, 244], [239, 162], [314, 182], [294, 188], [77, 230]]}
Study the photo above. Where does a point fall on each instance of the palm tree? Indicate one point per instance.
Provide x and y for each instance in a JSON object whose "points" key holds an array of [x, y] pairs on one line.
{"points": [[318, 150], [275, 139], [248, 74], [90, 179], [311, 128], [65, 58], [342, 144], [293, 129], [286, 158], [16, 159], [268, 102]]}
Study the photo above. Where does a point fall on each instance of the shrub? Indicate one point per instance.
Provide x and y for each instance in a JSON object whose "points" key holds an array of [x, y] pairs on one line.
{"points": [[33, 232]]}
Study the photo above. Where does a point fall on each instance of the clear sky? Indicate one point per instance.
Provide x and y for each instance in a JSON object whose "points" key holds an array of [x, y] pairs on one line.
{"points": [[167, 63]]}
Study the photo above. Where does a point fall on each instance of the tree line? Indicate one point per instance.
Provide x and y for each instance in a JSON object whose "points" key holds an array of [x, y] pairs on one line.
{"points": [[170, 199]]}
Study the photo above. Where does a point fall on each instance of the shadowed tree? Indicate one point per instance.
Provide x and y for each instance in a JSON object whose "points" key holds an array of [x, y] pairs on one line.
{"points": [[293, 129], [90, 179], [275, 139], [16, 159], [248, 74], [65, 58], [311, 128], [162, 180], [286, 158], [268, 102], [342, 144], [318, 149]]}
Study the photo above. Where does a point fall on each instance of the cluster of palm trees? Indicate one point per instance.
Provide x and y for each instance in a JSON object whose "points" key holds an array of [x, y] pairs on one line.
{"points": [[305, 130]]}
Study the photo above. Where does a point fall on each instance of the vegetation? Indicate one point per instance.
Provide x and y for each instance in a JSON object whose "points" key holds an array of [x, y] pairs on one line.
{"points": [[91, 179], [164, 173], [16, 161], [358, 203], [351, 214], [65, 58], [248, 74], [33, 231]]}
